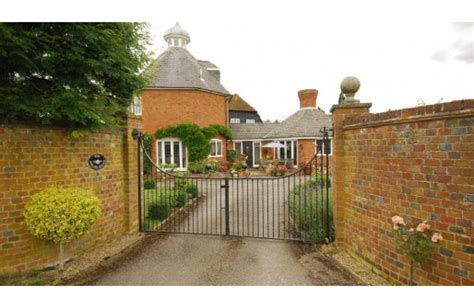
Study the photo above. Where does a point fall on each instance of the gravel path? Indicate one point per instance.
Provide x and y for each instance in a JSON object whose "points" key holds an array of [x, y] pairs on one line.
{"points": [[215, 260]]}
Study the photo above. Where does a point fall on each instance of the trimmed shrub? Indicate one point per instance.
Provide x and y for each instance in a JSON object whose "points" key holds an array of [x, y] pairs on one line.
{"points": [[149, 184], [192, 189], [158, 211], [62, 214]]}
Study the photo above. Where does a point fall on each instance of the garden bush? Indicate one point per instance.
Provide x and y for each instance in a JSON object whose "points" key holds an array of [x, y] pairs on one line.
{"points": [[197, 167], [158, 211], [149, 184], [232, 155], [62, 214], [204, 166], [310, 213], [192, 189]]}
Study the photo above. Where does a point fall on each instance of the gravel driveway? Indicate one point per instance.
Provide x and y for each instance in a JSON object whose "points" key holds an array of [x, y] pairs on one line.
{"points": [[195, 260]]}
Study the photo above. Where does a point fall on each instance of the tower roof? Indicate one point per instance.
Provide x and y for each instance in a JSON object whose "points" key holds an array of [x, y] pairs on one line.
{"points": [[177, 68]]}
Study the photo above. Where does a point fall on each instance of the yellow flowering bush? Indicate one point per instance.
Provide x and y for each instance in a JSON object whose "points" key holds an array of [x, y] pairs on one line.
{"points": [[62, 214]]}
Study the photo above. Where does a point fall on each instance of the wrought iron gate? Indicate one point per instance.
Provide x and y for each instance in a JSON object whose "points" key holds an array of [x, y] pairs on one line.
{"points": [[296, 206]]}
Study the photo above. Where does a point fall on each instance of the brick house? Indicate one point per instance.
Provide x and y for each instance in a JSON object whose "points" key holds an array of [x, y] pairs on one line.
{"points": [[300, 134], [183, 89]]}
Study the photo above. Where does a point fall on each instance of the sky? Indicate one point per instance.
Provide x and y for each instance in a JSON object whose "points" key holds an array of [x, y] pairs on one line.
{"points": [[267, 62], [402, 52]]}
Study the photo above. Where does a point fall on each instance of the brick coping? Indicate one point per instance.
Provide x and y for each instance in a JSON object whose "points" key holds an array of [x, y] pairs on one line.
{"points": [[454, 109]]}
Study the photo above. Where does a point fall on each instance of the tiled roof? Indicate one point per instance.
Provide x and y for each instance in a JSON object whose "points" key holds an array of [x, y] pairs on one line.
{"points": [[251, 130], [207, 64], [237, 103], [177, 68], [306, 122]]}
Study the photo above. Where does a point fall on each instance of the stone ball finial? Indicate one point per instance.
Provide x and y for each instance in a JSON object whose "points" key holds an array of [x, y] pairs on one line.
{"points": [[349, 86]]}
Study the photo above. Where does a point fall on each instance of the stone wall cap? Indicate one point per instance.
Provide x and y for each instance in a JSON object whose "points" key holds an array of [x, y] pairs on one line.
{"points": [[350, 106]]}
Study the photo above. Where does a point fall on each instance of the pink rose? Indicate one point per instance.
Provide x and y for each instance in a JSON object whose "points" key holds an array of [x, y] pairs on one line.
{"points": [[436, 237], [397, 220], [421, 227]]}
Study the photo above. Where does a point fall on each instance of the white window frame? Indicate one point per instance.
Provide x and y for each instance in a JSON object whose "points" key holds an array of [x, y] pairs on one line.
{"points": [[316, 146], [182, 149], [251, 121], [254, 141], [294, 143], [136, 106], [235, 120], [217, 141]]}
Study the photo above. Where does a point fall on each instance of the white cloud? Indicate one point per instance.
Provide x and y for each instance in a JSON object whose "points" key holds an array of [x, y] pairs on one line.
{"points": [[462, 49]]}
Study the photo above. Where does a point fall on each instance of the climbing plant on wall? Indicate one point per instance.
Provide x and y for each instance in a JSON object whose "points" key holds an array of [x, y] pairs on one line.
{"points": [[196, 139], [147, 140]]}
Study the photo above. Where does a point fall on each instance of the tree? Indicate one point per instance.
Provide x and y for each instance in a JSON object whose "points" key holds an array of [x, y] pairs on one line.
{"points": [[78, 75], [62, 214]]}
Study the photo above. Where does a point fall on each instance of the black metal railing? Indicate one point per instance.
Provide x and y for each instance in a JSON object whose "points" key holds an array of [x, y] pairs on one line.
{"points": [[296, 206]]}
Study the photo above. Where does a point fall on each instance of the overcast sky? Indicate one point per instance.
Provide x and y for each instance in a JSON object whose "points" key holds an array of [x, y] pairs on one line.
{"points": [[268, 50]]}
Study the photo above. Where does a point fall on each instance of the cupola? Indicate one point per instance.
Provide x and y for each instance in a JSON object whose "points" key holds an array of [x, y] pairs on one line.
{"points": [[176, 36]]}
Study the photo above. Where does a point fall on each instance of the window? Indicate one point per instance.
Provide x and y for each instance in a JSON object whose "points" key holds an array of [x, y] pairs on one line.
{"points": [[250, 121], [288, 151], [251, 148], [324, 148], [216, 148], [234, 120], [136, 106], [238, 147], [171, 151]]}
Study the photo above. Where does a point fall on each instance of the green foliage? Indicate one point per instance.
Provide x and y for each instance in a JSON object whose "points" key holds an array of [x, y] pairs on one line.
{"points": [[192, 189], [158, 212], [168, 166], [195, 138], [62, 214], [147, 143], [78, 75], [313, 183], [204, 166], [197, 167], [149, 184], [217, 129], [232, 155], [415, 242], [310, 211]]}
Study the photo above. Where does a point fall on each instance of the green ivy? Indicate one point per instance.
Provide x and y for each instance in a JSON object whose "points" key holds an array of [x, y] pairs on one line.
{"points": [[147, 141], [195, 138]]}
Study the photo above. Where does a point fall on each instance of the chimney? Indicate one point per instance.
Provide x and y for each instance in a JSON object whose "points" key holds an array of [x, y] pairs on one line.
{"points": [[308, 98]]}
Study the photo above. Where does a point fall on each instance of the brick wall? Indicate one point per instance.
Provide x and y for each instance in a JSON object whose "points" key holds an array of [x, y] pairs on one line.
{"points": [[33, 158], [163, 107], [417, 163]]}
